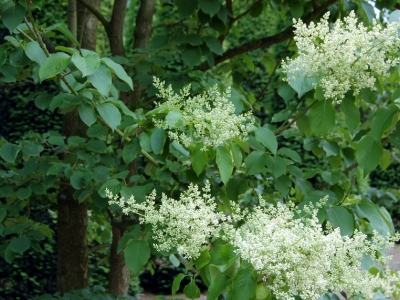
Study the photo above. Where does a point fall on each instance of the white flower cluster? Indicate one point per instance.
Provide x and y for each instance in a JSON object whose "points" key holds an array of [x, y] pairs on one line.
{"points": [[186, 224], [297, 257], [208, 118], [389, 283], [346, 56]]}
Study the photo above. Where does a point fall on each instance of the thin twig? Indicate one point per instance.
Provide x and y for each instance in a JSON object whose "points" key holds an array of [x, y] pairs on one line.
{"points": [[25, 35], [97, 14], [282, 128], [98, 247]]}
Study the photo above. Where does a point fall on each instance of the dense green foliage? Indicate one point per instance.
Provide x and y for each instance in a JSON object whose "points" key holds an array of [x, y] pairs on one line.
{"points": [[299, 147]]}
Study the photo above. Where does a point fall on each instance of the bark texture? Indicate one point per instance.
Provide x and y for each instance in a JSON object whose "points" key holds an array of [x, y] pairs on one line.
{"points": [[119, 276], [87, 25], [115, 29], [142, 35], [72, 259]]}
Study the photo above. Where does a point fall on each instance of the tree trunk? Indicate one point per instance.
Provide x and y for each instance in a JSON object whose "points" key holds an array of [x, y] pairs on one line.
{"points": [[87, 25], [72, 260], [142, 34], [116, 28], [72, 271], [119, 276]]}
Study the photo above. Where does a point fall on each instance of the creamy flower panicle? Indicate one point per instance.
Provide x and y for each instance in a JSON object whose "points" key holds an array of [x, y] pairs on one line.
{"points": [[208, 118], [345, 56], [294, 254], [186, 224], [297, 257]]}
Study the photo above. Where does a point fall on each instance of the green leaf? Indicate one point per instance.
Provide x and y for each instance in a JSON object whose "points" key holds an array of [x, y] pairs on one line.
{"points": [[157, 140], [330, 148], [42, 101], [385, 160], [283, 185], [54, 65], [174, 260], [173, 118], [119, 71], [235, 187], [218, 285], [214, 45], [100, 173], [3, 54], [203, 259], [8, 255], [369, 11], [267, 138], [79, 62], [186, 7], [32, 149], [110, 114], [56, 168], [255, 162], [3, 214], [301, 82], [9, 152], [394, 16], [96, 146], [60, 99], [370, 211], [276, 165], [24, 193], [296, 8], [191, 56], [382, 120], [20, 244], [237, 155], [92, 61], [210, 7], [338, 216], [65, 31], [56, 140], [137, 253], [191, 290], [224, 162], [77, 180], [368, 153], [244, 285], [194, 39], [101, 80], [97, 130], [12, 14], [352, 114], [87, 113], [178, 147], [35, 53], [177, 283], [144, 140], [290, 153], [199, 159], [322, 117], [131, 151], [263, 293]]}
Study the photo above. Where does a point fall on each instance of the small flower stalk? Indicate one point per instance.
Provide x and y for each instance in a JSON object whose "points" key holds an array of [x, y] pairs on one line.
{"points": [[345, 56]]}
